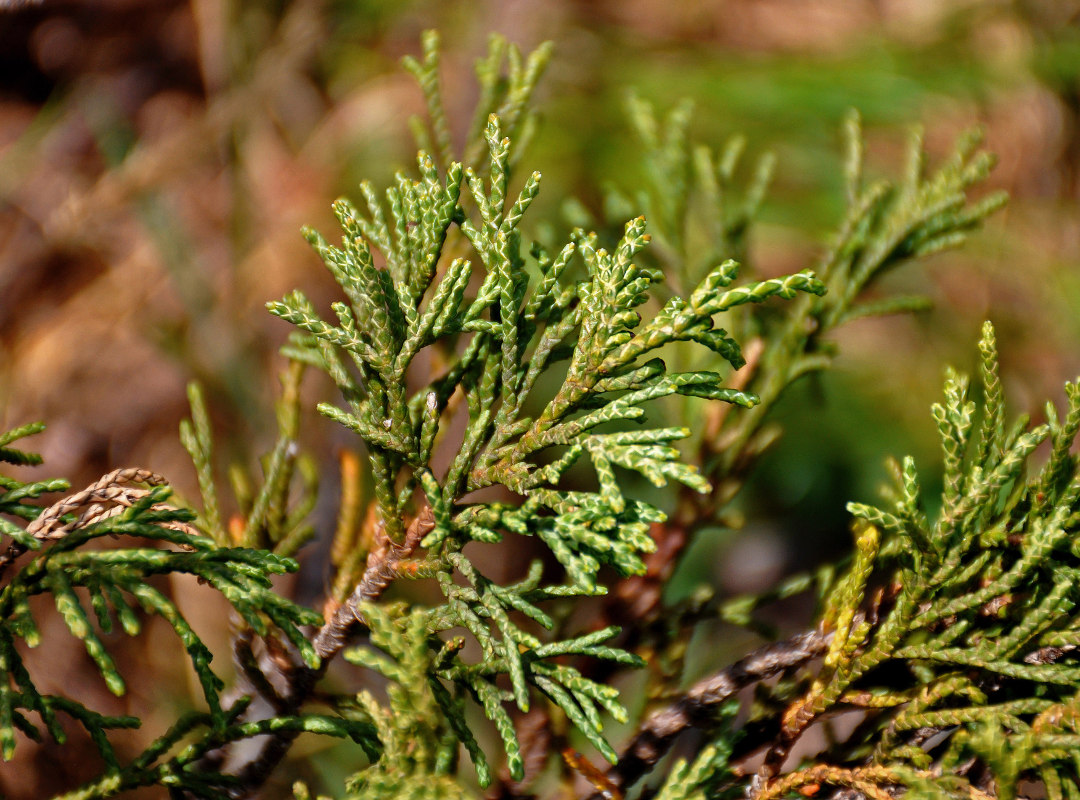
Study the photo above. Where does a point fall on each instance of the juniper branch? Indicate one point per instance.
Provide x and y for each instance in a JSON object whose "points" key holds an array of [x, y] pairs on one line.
{"points": [[106, 497]]}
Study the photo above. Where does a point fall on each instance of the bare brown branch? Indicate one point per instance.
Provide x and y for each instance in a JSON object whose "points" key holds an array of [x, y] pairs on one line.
{"points": [[380, 572], [658, 732], [299, 681]]}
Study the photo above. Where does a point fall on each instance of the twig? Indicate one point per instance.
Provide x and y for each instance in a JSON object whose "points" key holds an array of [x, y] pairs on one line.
{"points": [[659, 731], [299, 682], [381, 569]]}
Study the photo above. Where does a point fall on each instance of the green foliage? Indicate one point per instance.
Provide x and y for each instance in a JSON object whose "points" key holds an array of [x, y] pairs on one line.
{"points": [[16, 493], [97, 591], [953, 633], [700, 214], [501, 389], [416, 730], [496, 347], [266, 520], [182, 772]]}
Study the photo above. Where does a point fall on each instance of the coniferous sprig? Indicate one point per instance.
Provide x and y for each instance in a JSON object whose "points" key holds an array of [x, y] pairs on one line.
{"points": [[494, 344], [181, 773], [954, 635], [606, 379], [14, 494], [507, 81], [887, 224], [701, 212], [698, 211], [419, 729], [269, 517], [976, 615], [424, 722], [96, 591]]}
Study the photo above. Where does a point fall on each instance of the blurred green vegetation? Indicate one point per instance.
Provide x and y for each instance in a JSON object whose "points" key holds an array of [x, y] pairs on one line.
{"points": [[158, 158]]}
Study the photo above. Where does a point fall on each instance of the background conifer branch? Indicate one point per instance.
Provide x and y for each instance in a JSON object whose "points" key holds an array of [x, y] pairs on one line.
{"points": [[657, 733]]}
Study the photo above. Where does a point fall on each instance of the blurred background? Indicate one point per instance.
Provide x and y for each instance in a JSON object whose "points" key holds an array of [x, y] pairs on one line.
{"points": [[158, 157]]}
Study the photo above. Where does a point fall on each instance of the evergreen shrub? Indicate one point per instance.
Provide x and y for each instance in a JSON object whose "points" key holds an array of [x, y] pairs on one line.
{"points": [[505, 382]]}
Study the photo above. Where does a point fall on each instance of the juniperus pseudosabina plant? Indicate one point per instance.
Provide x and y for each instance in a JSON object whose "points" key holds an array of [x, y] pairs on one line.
{"points": [[481, 373]]}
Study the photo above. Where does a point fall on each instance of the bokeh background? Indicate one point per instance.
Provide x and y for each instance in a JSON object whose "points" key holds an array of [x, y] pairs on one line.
{"points": [[158, 157]]}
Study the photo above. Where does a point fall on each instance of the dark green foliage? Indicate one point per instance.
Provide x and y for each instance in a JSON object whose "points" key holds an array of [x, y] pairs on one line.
{"points": [[96, 591], [182, 773], [15, 493], [494, 343], [981, 600], [954, 635]]}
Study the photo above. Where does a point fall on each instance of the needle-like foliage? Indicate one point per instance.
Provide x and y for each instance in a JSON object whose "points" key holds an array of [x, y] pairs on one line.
{"points": [[526, 319], [954, 632], [269, 517], [95, 591]]}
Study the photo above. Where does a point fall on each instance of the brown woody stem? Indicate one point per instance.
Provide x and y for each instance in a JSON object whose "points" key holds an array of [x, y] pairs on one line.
{"points": [[658, 732]]}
